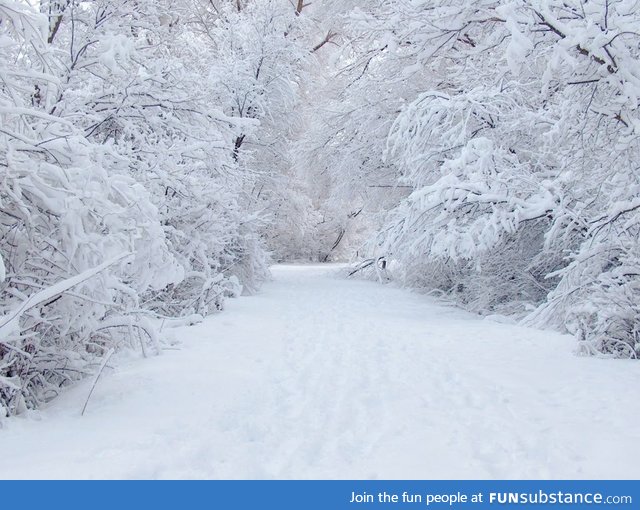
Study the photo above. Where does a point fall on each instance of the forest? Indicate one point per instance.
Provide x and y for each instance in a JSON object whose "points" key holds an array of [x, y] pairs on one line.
{"points": [[157, 157]]}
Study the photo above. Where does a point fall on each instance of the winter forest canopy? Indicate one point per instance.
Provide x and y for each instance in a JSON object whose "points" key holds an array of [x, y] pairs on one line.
{"points": [[156, 156]]}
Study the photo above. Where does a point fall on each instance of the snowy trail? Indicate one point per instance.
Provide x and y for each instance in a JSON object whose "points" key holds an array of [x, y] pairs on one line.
{"points": [[320, 377]]}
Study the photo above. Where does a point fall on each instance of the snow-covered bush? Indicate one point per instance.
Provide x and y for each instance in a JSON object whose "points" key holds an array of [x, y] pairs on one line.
{"points": [[140, 86], [79, 242], [120, 195]]}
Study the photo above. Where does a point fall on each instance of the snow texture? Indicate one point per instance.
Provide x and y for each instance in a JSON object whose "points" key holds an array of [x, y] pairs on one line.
{"points": [[322, 377]]}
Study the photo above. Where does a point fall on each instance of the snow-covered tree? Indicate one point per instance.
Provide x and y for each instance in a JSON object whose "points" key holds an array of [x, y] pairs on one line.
{"points": [[348, 110], [139, 84], [521, 150]]}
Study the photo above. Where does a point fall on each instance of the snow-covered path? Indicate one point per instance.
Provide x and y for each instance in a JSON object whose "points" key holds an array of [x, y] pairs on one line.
{"points": [[320, 377]]}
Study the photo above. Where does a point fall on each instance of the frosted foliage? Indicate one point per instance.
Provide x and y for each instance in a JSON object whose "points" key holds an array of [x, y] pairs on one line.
{"points": [[265, 50], [520, 149], [63, 214], [122, 199]]}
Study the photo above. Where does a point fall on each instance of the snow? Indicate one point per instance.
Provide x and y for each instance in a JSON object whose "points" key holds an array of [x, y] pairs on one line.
{"points": [[10, 322], [322, 377]]}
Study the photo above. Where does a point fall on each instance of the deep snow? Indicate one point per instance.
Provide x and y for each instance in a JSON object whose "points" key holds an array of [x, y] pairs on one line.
{"points": [[321, 377]]}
